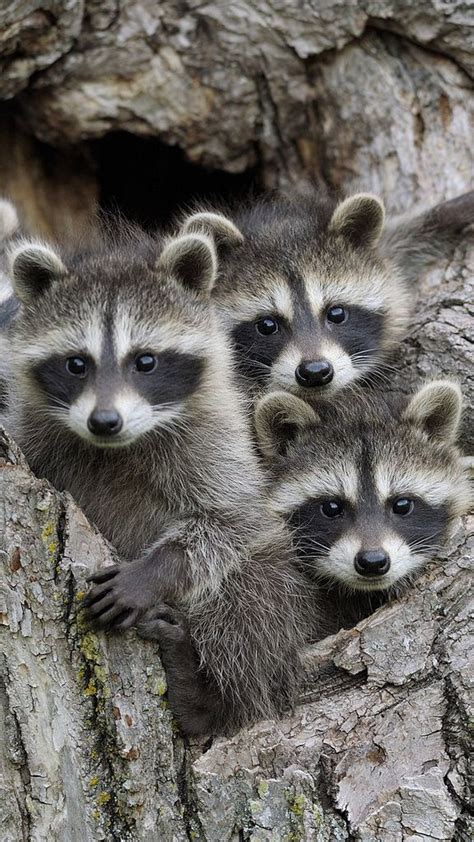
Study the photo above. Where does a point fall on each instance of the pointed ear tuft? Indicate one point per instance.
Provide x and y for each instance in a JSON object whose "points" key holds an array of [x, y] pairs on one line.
{"points": [[436, 409], [360, 219], [192, 260], [34, 267], [215, 225], [279, 416]]}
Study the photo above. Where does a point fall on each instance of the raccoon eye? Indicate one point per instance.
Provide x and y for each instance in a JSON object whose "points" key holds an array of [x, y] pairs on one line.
{"points": [[267, 326], [76, 366], [403, 506], [332, 508], [145, 363], [336, 314]]}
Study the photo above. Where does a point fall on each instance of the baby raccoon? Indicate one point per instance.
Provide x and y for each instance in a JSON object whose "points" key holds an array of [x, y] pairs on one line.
{"points": [[371, 490], [315, 294], [125, 399]]}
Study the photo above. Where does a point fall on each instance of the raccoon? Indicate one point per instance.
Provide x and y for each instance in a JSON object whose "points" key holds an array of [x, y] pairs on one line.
{"points": [[125, 398], [316, 294], [9, 228], [371, 489]]}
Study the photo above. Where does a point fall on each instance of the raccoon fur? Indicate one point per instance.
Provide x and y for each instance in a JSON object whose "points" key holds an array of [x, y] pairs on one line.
{"points": [[9, 228], [125, 398], [371, 489], [317, 294]]}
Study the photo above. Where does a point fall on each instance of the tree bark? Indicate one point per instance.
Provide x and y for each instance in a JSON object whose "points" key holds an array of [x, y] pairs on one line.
{"points": [[377, 748], [375, 95]]}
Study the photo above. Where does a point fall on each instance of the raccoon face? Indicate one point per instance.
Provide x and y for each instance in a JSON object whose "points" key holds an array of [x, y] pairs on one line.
{"points": [[370, 496], [113, 348], [310, 309]]}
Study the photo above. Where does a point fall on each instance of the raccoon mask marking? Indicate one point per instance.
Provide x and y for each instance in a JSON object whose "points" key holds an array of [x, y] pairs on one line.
{"points": [[316, 294], [370, 493], [309, 305], [103, 367]]}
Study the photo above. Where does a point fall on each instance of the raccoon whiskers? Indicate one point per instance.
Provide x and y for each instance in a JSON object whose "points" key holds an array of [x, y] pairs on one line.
{"points": [[380, 374], [304, 544], [58, 413], [249, 365], [423, 544], [56, 401], [324, 578], [361, 356], [425, 548], [245, 355], [376, 377]]}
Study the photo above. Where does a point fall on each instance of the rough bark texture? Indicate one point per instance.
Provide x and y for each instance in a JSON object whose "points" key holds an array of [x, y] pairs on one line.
{"points": [[376, 91], [375, 94], [377, 749]]}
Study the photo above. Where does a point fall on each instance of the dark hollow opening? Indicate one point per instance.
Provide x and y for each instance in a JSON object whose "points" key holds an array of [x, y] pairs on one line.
{"points": [[150, 182]]}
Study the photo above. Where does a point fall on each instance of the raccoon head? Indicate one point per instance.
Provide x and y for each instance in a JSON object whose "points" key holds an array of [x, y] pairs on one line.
{"points": [[309, 303], [113, 345], [370, 494]]}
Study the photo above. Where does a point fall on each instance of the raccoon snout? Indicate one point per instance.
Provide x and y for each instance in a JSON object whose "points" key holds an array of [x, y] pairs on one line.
{"points": [[372, 563], [312, 373], [104, 422]]}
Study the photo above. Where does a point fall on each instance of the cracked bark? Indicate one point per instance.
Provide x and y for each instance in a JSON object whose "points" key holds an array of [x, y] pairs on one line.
{"points": [[373, 94]]}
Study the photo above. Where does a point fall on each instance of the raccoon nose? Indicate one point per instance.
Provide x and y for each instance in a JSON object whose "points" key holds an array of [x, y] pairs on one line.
{"points": [[311, 373], [372, 563], [104, 422]]}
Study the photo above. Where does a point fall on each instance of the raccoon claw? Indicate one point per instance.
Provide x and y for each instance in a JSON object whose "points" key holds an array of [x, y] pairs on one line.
{"points": [[165, 624], [129, 619], [116, 618], [99, 597], [104, 575], [119, 595]]}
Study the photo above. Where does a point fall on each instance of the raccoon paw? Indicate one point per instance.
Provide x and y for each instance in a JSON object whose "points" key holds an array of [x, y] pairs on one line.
{"points": [[115, 599], [165, 624]]}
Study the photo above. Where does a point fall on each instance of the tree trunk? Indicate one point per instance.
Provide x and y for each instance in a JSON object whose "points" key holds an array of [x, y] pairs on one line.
{"points": [[376, 95]]}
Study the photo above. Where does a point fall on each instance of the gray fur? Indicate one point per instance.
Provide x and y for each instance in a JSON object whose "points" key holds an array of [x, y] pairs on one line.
{"points": [[307, 246], [182, 503], [9, 230], [350, 443], [416, 239]]}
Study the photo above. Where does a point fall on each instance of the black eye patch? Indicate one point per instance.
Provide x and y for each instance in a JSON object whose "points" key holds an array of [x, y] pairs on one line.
{"points": [[255, 351], [423, 527], [362, 331], [58, 385], [315, 532], [176, 376]]}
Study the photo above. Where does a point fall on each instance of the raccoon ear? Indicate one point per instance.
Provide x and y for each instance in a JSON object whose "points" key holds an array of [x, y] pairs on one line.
{"points": [[215, 225], [436, 408], [34, 267], [279, 416], [360, 219], [192, 260]]}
